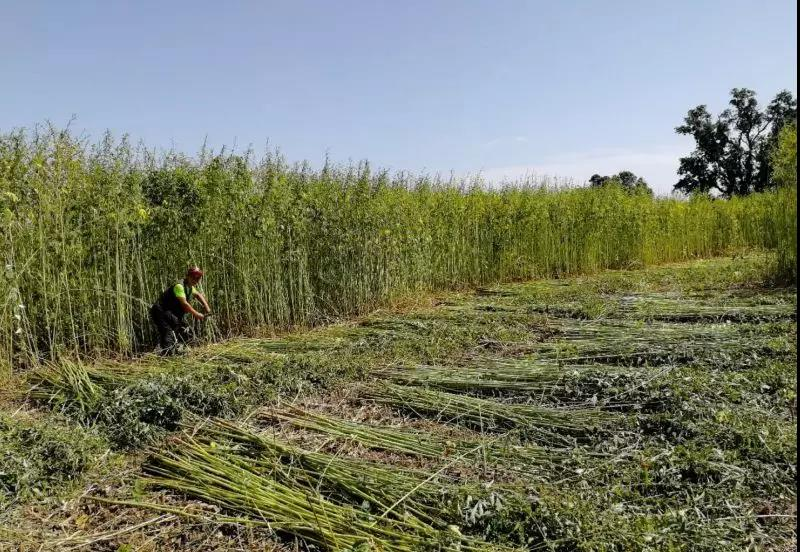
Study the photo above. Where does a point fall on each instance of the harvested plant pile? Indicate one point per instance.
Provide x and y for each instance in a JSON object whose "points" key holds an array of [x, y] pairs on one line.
{"points": [[547, 426], [503, 450], [305, 494]]}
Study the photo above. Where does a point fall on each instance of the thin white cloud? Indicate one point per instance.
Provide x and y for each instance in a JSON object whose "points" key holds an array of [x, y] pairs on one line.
{"points": [[657, 165]]}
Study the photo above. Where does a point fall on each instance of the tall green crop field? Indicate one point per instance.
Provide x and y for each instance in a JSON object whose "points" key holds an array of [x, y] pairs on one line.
{"points": [[90, 234]]}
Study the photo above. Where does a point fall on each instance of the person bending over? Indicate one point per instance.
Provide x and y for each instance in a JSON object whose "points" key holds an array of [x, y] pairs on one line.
{"points": [[168, 312]]}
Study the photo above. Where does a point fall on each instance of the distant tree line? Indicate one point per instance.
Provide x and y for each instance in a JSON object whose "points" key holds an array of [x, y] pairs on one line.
{"points": [[745, 149], [624, 179]]}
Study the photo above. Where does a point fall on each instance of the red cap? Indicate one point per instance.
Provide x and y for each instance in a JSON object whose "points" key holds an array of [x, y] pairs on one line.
{"points": [[195, 271]]}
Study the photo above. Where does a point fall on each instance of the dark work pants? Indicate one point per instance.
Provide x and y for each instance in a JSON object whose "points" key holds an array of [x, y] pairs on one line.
{"points": [[171, 329]]}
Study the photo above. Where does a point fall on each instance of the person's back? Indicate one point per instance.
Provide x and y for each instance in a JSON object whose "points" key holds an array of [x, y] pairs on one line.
{"points": [[169, 300]]}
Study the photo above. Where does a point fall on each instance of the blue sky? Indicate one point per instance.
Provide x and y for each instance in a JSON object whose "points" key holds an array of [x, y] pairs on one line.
{"points": [[502, 87]]}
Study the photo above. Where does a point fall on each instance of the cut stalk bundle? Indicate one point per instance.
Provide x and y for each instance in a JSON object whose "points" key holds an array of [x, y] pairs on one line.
{"points": [[503, 451], [688, 309], [506, 377], [239, 351], [295, 508], [73, 384], [633, 343], [67, 385], [341, 479], [548, 426]]}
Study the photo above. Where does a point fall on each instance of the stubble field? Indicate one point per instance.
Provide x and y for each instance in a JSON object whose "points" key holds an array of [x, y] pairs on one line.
{"points": [[631, 410]]}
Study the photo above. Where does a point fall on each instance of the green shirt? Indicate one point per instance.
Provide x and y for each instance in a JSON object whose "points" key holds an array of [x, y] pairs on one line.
{"points": [[180, 292]]}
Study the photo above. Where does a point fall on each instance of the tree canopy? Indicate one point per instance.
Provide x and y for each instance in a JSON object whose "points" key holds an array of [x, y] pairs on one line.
{"points": [[734, 152], [625, 179]]}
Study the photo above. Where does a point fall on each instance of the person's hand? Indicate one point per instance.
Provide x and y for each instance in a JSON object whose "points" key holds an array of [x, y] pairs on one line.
{"points": [[199, 316]]}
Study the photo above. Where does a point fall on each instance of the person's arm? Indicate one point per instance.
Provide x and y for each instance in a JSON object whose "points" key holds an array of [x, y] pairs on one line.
{"points": [[202, 299], [180, 294], [188, 308]]}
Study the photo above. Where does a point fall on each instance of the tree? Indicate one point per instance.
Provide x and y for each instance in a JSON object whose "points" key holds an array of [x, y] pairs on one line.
{"points": [[596, 181], [625, 179], [784, 157], [732, 154]]}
